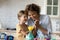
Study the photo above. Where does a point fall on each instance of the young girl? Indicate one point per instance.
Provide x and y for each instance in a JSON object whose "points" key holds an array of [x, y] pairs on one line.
{"points": [[21, 27]]}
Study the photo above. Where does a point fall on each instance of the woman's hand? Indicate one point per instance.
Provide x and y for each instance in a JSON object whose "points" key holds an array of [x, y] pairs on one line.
{"points": [[36, 22], [38, 26]]}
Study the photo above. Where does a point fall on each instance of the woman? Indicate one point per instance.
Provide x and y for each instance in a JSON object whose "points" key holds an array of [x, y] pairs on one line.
{"points": [[36, 19]]}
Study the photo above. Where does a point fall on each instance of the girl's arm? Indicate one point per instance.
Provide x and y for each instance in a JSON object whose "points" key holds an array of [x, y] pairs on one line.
{"points": [[24, 32]]}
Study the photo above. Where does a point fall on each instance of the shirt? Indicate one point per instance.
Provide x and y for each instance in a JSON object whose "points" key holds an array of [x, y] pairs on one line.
{"points": [[19, 35], [45, 23]]}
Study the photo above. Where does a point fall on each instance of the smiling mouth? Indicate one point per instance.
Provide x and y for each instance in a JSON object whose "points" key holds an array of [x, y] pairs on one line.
{"points": [[33, 18]]}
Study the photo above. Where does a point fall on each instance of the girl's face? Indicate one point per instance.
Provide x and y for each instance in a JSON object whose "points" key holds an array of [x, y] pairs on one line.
{"points": [[33, 15], [23, 18]]}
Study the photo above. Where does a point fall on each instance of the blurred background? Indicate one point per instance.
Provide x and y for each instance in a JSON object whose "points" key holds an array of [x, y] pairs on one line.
{"points": [[10, 8]]}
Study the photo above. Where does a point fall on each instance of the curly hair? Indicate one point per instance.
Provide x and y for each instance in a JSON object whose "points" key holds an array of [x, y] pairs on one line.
{"points": [[32, 7]]}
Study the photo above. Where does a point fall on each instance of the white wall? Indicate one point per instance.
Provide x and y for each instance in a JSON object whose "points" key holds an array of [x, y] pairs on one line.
{"points": [[8, 12]]}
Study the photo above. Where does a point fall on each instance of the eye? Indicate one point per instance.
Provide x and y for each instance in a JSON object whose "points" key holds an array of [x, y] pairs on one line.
{"points": [[25, 16], [29, 15], [32, 14]]}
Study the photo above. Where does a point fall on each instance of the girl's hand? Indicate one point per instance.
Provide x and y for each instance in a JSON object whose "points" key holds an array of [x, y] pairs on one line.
{"points": [[27, 32], [24, 32]]}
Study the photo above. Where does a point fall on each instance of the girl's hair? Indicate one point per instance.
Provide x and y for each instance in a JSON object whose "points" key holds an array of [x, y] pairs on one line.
{"points": [[20, 13]]}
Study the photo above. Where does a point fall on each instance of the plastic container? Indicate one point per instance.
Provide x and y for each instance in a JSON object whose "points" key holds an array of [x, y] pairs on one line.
{"points": [[10, 37]]}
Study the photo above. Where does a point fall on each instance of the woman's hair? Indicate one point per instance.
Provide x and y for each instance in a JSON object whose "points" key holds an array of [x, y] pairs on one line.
{"points": [[20, 13], [33, 7]]}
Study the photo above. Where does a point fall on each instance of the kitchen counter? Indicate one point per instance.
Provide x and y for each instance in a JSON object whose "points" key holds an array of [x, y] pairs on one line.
{"points": [[13, 32], [8, 32]]}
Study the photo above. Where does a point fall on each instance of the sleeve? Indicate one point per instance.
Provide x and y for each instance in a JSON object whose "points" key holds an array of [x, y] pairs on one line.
{"points": [[18, 28], [18, 31], [49, 25]]}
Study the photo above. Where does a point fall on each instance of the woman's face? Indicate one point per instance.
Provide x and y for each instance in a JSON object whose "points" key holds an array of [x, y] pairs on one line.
{"points": [[33, 15]]}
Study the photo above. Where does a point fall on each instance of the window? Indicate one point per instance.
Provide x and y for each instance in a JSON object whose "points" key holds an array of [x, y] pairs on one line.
{"points": [[52, 8]]}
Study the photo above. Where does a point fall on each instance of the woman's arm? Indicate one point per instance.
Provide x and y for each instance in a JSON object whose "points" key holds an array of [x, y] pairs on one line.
{"points": [[48, 26], [34, 32], [38, 26], [45, 31]]}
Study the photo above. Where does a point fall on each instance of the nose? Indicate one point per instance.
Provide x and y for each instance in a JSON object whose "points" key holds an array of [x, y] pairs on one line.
{"points": [[26, 18], [31, 16]]}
